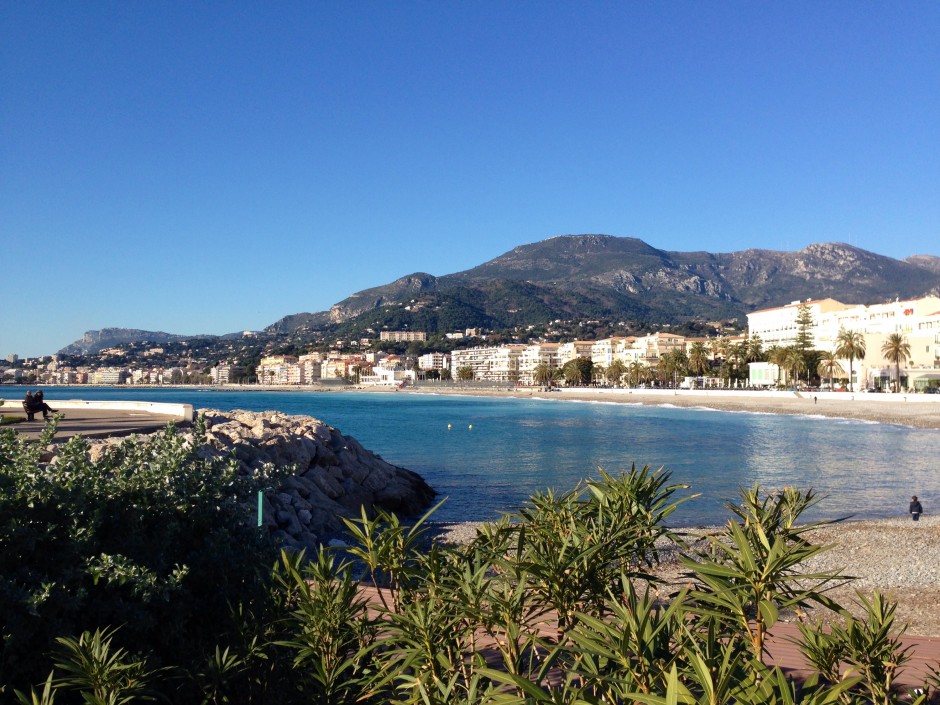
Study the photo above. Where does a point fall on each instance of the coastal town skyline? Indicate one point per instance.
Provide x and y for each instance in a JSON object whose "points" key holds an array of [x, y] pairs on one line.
{"points": [[199, 170]]}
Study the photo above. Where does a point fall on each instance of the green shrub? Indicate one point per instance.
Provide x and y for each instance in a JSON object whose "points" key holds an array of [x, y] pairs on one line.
{"points": [[151, 538]]}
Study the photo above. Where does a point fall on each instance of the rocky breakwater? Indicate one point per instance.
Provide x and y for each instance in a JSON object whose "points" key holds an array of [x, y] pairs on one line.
{"points": [[333, 475], [330, 475]]}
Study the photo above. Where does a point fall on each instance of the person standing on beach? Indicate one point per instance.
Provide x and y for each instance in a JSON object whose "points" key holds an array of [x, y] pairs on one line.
{"points": [[916, 508]]}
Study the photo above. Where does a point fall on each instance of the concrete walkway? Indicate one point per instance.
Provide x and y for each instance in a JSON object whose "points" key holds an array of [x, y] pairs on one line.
{"points": [[92, 422]]}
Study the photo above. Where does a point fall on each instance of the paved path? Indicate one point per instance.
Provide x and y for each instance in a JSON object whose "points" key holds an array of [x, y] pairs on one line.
{"points": [[782, 651], [92, 423]]}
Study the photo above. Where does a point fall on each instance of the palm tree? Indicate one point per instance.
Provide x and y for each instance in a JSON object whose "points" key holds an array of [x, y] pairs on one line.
{"points": [[737, 353], [542, 374], [578, 371], [778, 356], [616, 371], [755, 348], [598, 374], [465, 374], [679, 362], [850, 345], [829, 366], [637, 373], [897, 350], [795, 363], [720, 348], [698, 359]]}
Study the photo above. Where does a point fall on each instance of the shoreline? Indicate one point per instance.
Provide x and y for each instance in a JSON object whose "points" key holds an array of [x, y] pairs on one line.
{"points": [[916, 411], [921, 411]]}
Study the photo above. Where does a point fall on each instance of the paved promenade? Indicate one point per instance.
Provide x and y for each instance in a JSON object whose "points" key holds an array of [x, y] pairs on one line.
{"points": [[92, 422]]}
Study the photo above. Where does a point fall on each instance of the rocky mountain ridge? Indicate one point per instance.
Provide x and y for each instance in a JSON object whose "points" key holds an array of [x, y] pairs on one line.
{"points": [[582, 277], [586, 276]]}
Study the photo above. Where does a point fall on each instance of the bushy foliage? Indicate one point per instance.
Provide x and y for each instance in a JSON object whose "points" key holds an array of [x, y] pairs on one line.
{"points": [[554, 604], [151, 538]]}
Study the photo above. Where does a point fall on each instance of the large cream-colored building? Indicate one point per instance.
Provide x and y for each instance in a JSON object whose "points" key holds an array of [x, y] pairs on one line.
{"points": [[918, 320], [491, 364]]}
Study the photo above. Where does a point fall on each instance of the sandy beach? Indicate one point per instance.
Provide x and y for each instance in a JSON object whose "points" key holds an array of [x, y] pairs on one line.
{"points": [[915, 410]]}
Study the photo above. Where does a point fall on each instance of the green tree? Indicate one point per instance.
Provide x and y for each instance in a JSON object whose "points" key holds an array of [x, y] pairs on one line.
{"points": [[755, 348], [752, 571], [465, 373], [616, 371], [795, 364], [698, 359], [850, 345], [637, 372], [577, 372], [896, 350], [737, 353], [829, 366], [777, 355], [804, 328]]}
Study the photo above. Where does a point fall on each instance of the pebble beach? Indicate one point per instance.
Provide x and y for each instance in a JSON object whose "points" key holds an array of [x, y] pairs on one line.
{"points": [[898, 557]]}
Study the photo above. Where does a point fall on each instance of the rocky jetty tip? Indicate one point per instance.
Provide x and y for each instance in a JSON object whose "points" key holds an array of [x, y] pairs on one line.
{"points": [[332, 476]]}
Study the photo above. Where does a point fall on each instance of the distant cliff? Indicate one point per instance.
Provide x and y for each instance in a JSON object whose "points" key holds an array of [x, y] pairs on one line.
{"points": [[96, 340]]}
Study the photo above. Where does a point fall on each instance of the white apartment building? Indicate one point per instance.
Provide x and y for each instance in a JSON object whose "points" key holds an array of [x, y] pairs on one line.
{"points": [[434, 361], [605, 352], [403, 336], [532, 356], [495, 364], [110, 375], [172, 375], [777, 326], [222, 374], [575, 349], [310, 370], [650, 348]]}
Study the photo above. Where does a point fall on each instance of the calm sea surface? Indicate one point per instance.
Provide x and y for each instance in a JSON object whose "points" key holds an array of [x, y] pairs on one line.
{"points": [[517, 446]]}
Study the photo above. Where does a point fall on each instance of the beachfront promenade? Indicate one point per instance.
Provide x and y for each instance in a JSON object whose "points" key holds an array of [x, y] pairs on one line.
{"points": [[100, 419]]}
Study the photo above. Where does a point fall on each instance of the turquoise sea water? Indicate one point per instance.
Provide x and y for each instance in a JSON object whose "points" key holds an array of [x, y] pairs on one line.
{"points": [[517, 446]]}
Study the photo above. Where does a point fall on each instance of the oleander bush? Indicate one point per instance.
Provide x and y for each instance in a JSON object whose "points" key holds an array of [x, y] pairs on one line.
{"points": [[136, 578]]}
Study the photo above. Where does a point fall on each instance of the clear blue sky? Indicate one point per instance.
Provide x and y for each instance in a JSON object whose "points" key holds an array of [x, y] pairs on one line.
{"points": [[210, 167]]}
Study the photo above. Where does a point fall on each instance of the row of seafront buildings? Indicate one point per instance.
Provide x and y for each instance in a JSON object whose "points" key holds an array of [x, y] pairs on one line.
{"points": [[55, 374], [918, 320], [503, 363]]}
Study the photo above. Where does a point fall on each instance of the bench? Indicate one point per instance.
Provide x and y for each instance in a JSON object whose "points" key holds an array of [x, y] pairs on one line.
{"points": [[31, 411]]}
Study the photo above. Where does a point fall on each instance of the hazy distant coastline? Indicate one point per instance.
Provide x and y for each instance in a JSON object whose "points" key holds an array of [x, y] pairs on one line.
{"points": [[914, 410]]}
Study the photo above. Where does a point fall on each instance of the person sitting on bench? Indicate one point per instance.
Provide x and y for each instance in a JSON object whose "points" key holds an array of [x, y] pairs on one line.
{"points": [[33, 403]]}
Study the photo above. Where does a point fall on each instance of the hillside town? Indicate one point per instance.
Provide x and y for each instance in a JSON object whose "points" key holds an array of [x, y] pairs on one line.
{"points": [[891, 346]]}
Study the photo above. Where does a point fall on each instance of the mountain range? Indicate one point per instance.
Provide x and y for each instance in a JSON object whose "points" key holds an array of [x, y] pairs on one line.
{"points": [[612, 278]]}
